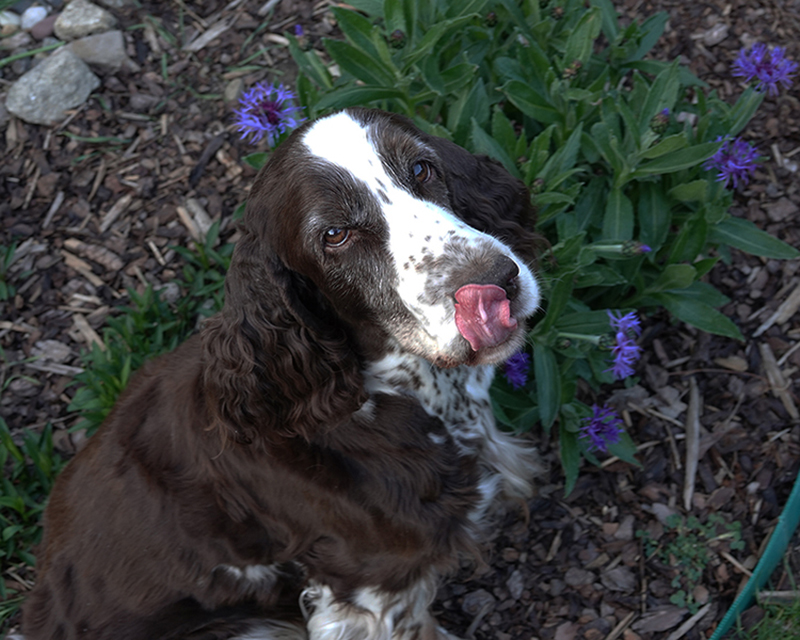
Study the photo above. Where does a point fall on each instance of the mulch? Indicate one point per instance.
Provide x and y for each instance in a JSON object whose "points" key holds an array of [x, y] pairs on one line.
{"points": [[93, 219]]}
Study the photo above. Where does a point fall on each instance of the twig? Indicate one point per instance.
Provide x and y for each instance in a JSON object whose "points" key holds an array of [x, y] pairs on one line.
{"points": [[736, 563], [681, 631], [777, 381], [51, 212], [115, 212], [785, 311], [692, 443], [623, 624]]}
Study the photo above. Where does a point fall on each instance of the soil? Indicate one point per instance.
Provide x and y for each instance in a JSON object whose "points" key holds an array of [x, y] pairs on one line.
{"points": [[592, 565]]}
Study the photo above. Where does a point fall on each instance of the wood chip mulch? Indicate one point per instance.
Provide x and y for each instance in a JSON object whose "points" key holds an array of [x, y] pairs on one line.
{"points": [[93, 219]]}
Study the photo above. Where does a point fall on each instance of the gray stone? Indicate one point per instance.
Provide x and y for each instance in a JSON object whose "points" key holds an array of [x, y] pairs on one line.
{"points": [[117, 4], [31, 16], [81, 18], [44, 93], [106, 51], [9, 23]]}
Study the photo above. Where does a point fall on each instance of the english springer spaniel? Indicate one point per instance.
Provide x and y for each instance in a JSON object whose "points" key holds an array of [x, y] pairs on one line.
{"points": [[313, 462]]}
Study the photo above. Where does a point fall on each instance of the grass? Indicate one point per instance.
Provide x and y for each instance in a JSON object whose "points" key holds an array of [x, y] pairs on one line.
{"points": [[781, 622]]}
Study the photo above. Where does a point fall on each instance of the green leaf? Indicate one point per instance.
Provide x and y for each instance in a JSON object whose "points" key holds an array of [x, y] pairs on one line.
{"points": [[432, 37], [361, 65], [667, 145], [625, 449], [309, 63], [256, 160], [592, 323], [557, 299], [651, 30], [370, 7], [653, 215], [744, 235], [699, 314], [474, 104], [394, 16], [610, 23], [486, 144], [694, 191], [662, 95], [674, 276], [618, 217], [677, 160], [530, 102], [581, 41], [548, 384], [357, 29], [743, 111], [570, 457], [355, 95]]}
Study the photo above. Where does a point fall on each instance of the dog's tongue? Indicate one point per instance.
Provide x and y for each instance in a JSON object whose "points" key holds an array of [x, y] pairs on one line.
{"points": [[483, 315]]}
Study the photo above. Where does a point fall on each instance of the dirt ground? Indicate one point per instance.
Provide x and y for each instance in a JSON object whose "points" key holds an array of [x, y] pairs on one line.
{"points": [[581, 567]]}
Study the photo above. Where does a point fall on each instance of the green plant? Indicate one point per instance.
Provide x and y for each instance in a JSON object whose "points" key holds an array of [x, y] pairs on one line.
{"points": [[618, 150], [780, 622], [148, 327], [687, 550], [29, 470], [7, 256]]}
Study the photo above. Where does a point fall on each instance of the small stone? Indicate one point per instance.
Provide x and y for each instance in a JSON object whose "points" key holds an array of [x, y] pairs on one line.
{"points": [[19, 40], [715, 35], [516, 584], [103, 50], [44, 28], [9, 23], [233, 90], [116, 4], [81, 18], [43, 94], [576, 577], [31, 16], [476, 600]]}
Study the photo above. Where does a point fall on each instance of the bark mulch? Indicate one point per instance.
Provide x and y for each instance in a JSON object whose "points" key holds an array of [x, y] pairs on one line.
{"points": [[93, 219]]}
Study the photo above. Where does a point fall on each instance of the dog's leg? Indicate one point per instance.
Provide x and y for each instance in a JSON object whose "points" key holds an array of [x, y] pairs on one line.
{"points": [[371, 614], [275, 630]]}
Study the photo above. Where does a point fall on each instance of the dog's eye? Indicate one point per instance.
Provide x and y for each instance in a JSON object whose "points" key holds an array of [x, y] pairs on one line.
{"points": [[336, 237], [423, 171]]}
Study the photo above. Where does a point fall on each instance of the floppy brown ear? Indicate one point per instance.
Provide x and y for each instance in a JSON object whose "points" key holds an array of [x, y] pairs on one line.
{"points": [[487, 197], [273, 364]]}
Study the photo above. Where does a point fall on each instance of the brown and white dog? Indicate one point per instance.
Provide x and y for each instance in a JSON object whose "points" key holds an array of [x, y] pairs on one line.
{"points": [[325, 450]]}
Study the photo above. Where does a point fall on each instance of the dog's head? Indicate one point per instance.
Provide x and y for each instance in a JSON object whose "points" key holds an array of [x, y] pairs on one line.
{"points": [[370, 234]]}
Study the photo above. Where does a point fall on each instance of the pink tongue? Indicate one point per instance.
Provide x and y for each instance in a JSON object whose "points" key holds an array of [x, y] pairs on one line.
{"points": [[483, 315]]}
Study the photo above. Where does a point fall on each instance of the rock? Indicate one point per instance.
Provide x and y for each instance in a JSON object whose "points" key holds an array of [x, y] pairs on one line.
{"points": [[233, 90], [44, 28], [105, 51], [576, 577], [9, 23], [19, 40], [31, 16], [44, 93], [516, 584], [117, 4], [475, 601], [81, 18]]}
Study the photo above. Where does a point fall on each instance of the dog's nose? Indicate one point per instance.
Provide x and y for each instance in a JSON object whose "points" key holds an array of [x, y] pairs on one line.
{"points": [[504, 274]]}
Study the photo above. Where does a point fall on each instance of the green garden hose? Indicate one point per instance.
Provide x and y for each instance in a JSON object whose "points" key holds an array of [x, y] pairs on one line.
{"points": [[787, 523]]}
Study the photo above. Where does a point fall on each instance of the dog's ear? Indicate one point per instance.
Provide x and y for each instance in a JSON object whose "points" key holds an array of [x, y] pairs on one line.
{"points": [[487, 197], [274, 364]]}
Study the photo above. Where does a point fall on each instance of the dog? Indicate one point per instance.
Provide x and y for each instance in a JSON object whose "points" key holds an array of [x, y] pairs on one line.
{"points": [[313, 461]]}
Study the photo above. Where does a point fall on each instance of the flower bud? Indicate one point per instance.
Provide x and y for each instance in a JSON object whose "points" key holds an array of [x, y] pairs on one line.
{"points": [[397, 39], [660, 122]]}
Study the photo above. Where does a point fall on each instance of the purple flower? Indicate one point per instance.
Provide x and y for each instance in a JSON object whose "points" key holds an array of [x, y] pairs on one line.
{"points": [[626, 351], [516, 369], [770, 68], [736, 161], [602, 428], [298, 30], [267, 110]]}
